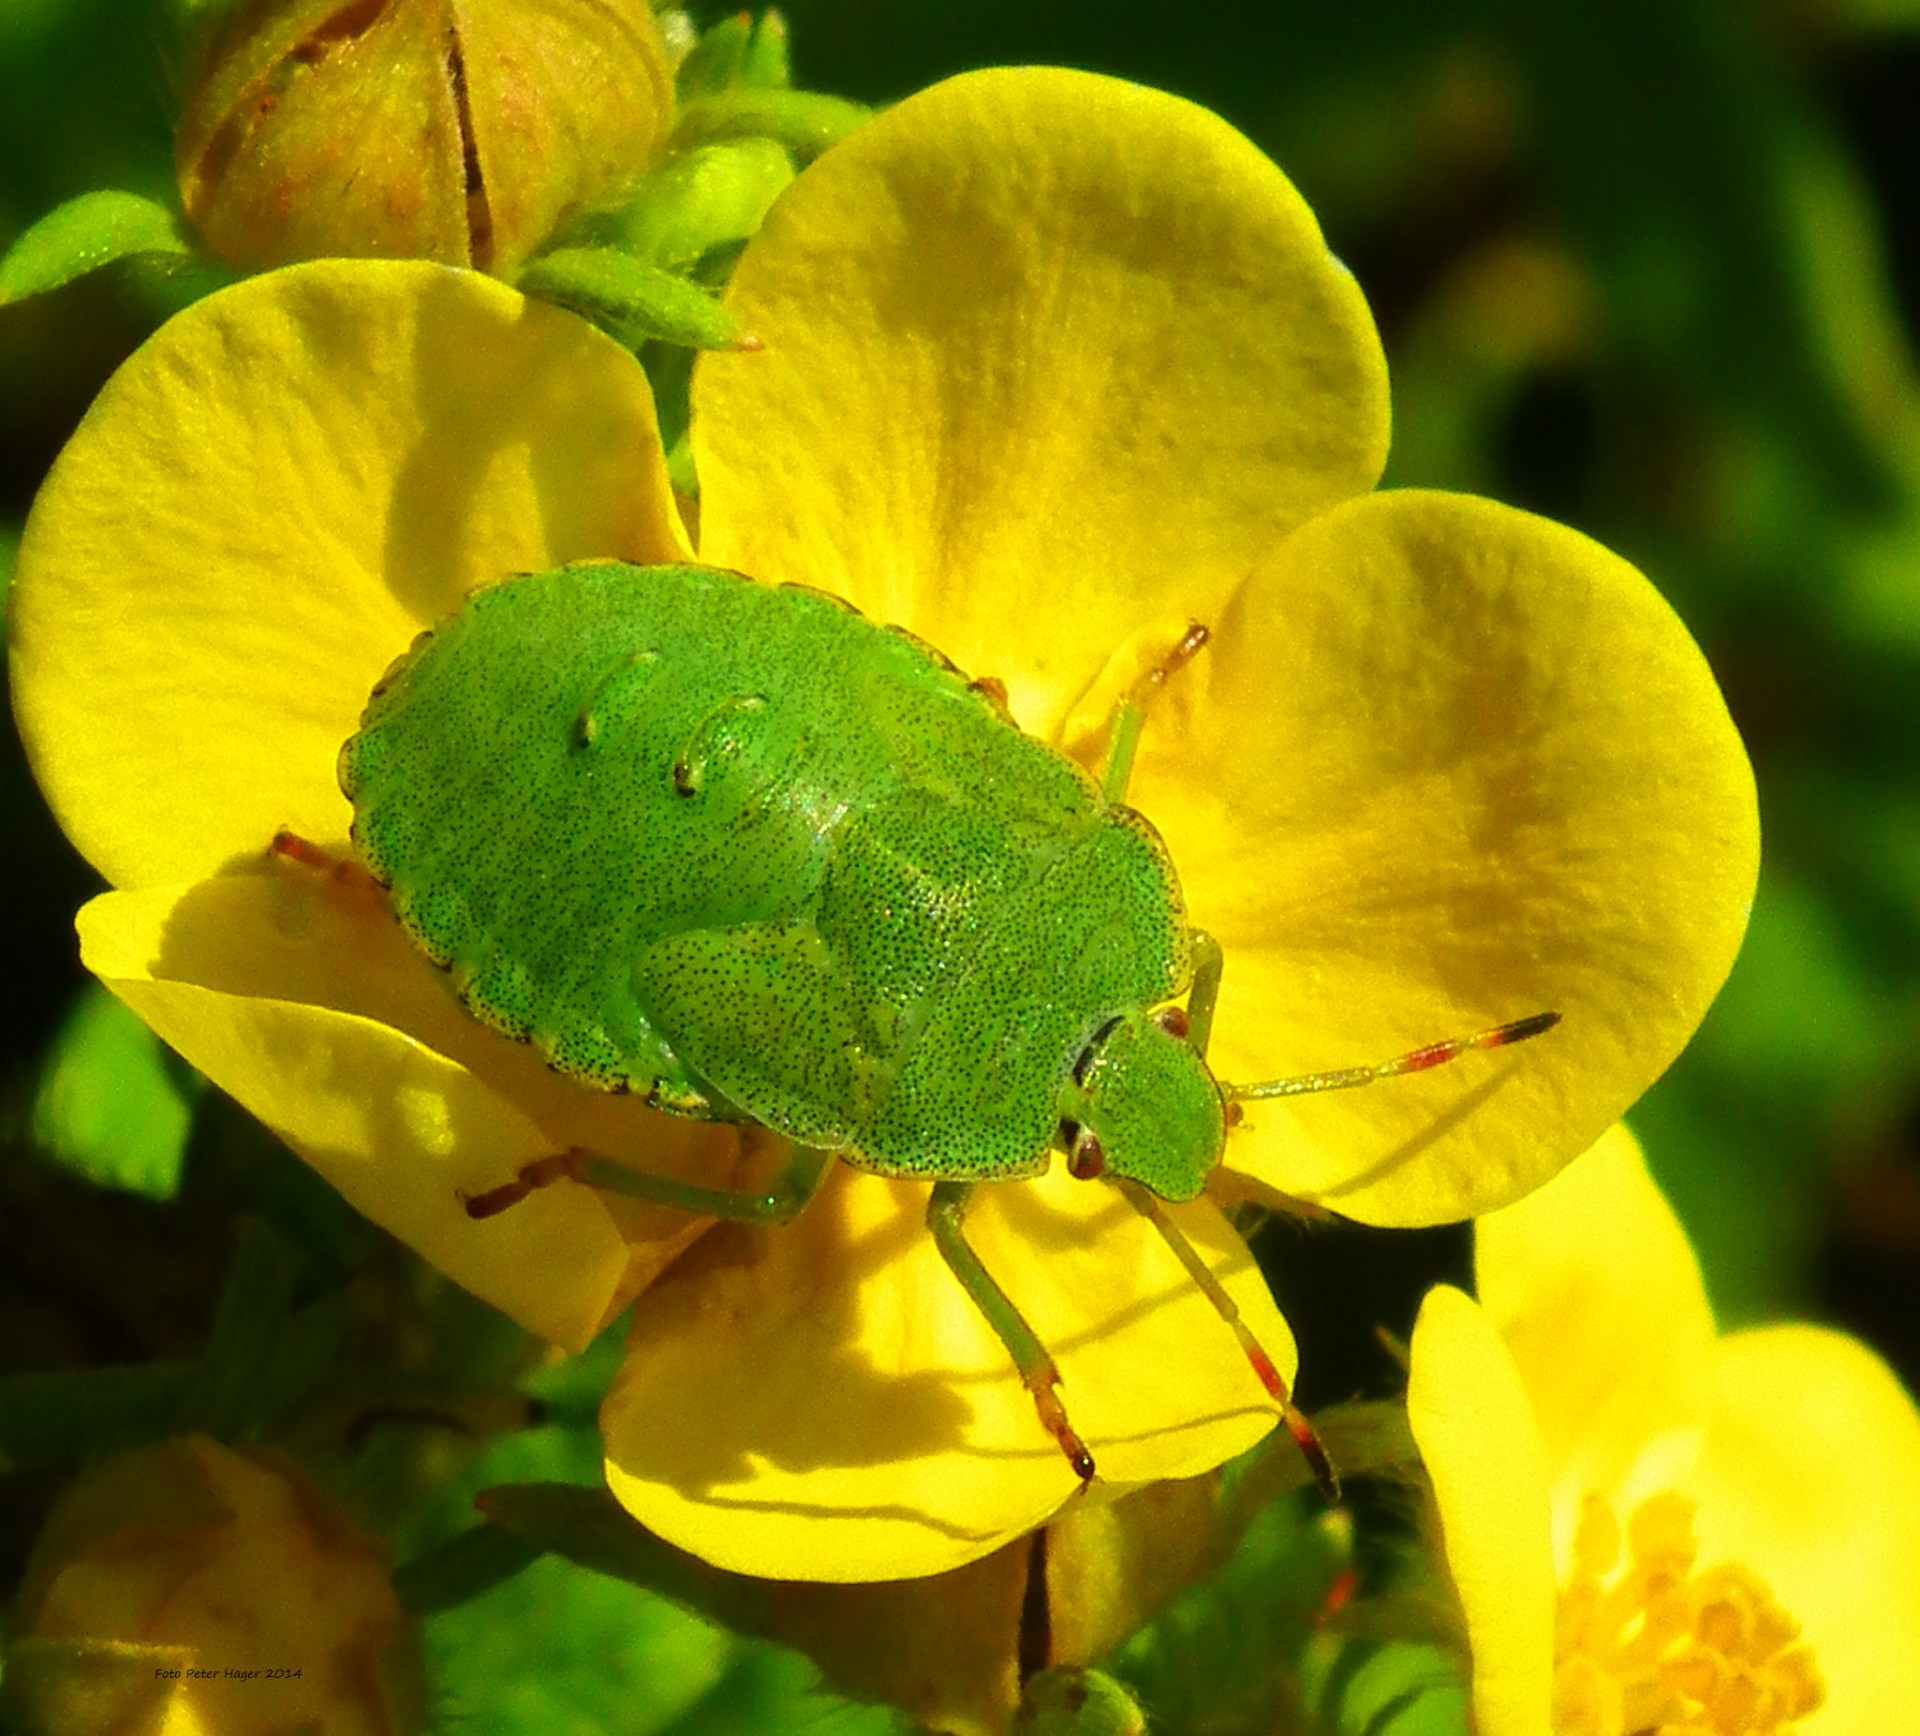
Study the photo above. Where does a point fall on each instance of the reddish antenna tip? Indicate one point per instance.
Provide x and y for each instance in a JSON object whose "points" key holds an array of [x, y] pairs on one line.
{"points": [[748, 342]]}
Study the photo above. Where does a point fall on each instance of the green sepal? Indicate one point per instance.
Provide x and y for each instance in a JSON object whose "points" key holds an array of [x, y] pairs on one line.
{"points": [[806, 122], [714, 63], [60, 1418], [736, 53], [702, 199], [632, 301], [591, 1529], [1069, 1702], [264, 1354], [765, 65], [84, 234], [466, 1565], [113, 1104]]}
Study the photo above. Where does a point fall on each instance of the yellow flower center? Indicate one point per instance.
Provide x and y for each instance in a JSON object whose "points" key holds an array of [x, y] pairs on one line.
{"points": [[1656, 1649]]}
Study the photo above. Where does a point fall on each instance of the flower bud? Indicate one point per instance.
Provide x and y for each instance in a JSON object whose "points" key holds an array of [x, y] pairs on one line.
{"points": [[185, 1586], [415, 128]]}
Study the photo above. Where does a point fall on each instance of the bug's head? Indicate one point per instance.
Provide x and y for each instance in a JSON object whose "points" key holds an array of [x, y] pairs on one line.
{"points": [[1142, 1105]]}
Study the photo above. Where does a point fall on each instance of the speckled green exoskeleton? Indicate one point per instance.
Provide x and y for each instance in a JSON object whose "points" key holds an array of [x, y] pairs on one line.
{"points": [[753, 857]]}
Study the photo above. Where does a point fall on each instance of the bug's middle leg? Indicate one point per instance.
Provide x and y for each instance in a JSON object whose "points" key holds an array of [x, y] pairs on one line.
{"points": [[1037, 1371], [798, 1181]]}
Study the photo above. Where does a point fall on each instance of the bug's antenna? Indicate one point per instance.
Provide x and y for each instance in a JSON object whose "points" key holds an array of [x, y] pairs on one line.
{"points": [[1149, 1207], [1414, 1061]]}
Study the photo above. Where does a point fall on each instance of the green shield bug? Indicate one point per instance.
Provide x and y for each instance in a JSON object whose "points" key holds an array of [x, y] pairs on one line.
{"points": [[740, 850]]}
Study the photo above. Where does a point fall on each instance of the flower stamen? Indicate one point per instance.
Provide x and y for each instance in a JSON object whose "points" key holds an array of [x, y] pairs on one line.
{"points": [[1649, 1647]]}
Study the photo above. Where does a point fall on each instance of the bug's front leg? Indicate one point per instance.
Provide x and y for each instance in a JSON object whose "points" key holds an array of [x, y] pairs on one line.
{"points": [[1209, 964], [1032, 1358], [797, 1182], [1130, 714]]}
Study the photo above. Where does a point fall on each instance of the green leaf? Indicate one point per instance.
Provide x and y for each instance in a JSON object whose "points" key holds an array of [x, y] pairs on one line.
{"points": [[1223, 1658], [806, 122], [60, 1418], [1393, 1689], [113, 1105], [589, 1527], [555, 1651], [84, 234], [264, 1356], [632, 301]]}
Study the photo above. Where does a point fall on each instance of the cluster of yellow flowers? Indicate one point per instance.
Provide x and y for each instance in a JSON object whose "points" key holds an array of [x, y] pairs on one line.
{"points": [[1052, 365]]}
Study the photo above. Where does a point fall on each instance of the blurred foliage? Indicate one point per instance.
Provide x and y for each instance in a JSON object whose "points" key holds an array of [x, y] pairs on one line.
{"points": [[1649, 266]]}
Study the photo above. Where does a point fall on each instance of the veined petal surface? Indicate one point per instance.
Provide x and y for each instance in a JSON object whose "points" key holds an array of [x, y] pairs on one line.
{"points": [[1593, 1287], [1444, 765], [263, 507], [1047, 355], [1810, 1475], [1470, 1416], [824, 1401], [303, 1000]]}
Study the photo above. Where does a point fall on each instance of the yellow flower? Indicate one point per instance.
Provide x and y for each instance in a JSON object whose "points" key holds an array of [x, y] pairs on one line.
{"points": [[193, 1591], [1653, 1528], [1054, 366]]}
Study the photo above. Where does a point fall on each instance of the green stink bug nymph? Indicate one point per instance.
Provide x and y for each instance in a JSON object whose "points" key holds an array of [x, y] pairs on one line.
{"points": [[754, 857]]}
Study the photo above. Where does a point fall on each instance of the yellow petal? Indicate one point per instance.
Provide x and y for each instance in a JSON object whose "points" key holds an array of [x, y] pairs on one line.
{"points": [[1470, 1415], [1047, 355], [1593, 1286], [823, 1400], [1811, 1477], [304, 1001], [1446, 765], [263, 507]]}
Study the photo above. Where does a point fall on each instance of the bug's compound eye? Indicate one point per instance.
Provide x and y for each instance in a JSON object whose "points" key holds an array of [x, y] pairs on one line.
{"points": [[1172, 1020], [1086, 1160], [1235, 1114]]}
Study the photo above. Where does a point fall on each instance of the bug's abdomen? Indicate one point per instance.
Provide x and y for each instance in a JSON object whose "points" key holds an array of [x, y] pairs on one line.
{"points": [[537, 784]]}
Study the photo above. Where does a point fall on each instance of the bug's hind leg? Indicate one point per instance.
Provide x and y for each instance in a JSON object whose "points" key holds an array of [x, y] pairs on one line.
{"points": [[1037, 1371], [778, 1201], [1297, 1425]]}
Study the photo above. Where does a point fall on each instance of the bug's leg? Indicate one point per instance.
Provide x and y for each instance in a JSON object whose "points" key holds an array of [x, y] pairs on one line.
{"points": [[1150, 1208], [294, 848], [1037, 1372], [779, 1200], [1209, 964], [1131, 712]]}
